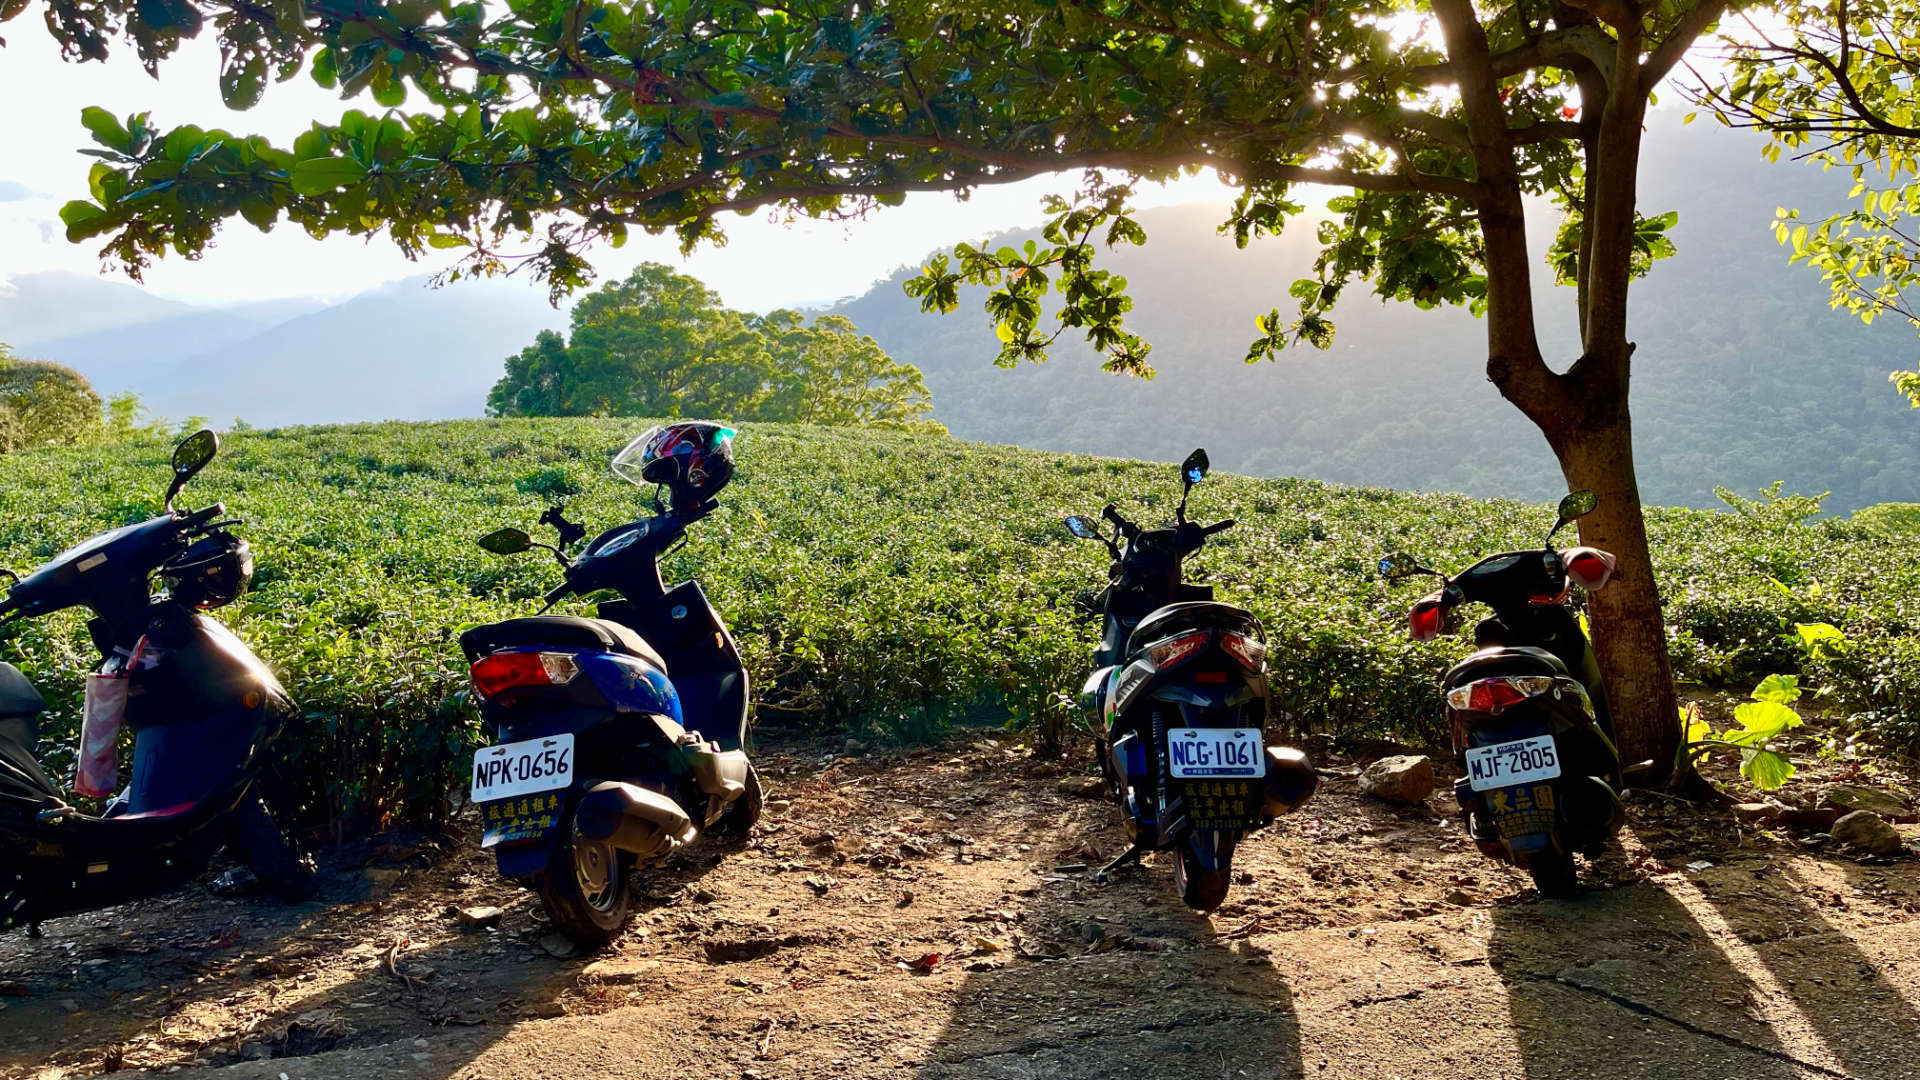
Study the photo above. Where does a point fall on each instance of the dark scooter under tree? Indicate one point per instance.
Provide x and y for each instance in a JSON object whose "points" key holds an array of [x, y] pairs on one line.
{"points": [[204, 712], [1178, 705], [1527, 711], [618, 739]]}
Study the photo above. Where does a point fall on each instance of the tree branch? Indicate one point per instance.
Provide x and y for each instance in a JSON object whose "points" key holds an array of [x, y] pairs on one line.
{"points": [[1571, 47], [1620, 14], [1694, 23]]}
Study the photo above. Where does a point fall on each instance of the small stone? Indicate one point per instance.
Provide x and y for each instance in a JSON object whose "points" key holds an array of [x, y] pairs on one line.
{"points": [[557, 945], [380, 880], [480, 918], [852, 748], [1753, 813], [1459, 898], [1084, 787], [1864, 830], [1848, 798], [1404, 778], [620, 970], [705, 896], [779, 806]]}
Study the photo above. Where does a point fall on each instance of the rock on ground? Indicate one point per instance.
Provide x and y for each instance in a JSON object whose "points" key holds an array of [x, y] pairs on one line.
{"points": [[1407, 778], [1847, 798], [1867, 831]]}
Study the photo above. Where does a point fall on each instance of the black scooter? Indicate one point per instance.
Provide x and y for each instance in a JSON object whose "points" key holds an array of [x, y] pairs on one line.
{"points": [[618, 739], [203, 709], [1527, 710], [1178, 705]]}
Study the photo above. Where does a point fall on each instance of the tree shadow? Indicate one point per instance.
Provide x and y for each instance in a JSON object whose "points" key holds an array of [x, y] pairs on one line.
{"points": [[1784, 911], [1145, 988]]}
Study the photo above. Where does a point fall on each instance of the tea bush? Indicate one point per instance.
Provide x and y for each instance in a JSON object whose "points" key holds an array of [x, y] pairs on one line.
{"points": [[880, 581]]}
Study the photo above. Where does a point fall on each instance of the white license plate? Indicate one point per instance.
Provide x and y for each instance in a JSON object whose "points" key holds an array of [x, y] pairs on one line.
{"points": [[522, 768], [1208, 753], [1507, 764]]}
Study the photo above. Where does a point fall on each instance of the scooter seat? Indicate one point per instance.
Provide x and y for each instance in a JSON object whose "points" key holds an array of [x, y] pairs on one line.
{"points": [[18, 698], [20, 775], [560, 632], [1504, 660], [1191, 615]]}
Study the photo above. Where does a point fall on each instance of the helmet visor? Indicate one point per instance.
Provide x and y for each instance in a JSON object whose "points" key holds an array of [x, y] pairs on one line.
{"points": [[662, 454]]}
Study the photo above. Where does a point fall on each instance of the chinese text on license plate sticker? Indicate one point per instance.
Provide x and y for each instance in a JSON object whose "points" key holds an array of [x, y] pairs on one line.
{"points": [[1215, 752], [522, 768], [1518, 762]]}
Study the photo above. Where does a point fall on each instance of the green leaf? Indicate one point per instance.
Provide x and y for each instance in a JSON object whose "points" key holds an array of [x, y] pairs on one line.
{"points": [[1767, 770], [83, 220], [1782, 689], [317, 176], [1764, 720], [107, 129]]}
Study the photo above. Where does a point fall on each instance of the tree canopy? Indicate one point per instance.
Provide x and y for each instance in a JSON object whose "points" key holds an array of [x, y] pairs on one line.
{"points": [[661, 344], [1839, 82], [572, 122]]}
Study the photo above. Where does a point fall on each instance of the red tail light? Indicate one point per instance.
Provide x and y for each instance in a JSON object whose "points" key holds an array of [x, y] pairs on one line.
{"points": [[1591, 567], [504, 671], [1426, 619], [1247, 650], [1173, 650], [1495, 695]]}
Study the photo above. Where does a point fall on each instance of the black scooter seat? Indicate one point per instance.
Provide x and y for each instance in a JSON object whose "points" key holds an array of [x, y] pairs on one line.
{"points": [[560, 632], [1191, 615], [1504, 660]]}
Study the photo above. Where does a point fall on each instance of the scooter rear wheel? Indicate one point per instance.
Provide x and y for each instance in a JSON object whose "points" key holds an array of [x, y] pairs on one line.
{"points": [[584, 889], [1555, 875], [273, 850], [1200, 888], [739, 818]]}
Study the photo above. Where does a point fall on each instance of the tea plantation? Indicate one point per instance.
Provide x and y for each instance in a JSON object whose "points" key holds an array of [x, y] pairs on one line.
{"points": [[881, 582]]}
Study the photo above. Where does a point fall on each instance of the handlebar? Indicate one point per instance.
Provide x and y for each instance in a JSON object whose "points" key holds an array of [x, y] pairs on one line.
{"points": [[1112, 513], [1218, 526], [200, 517]]}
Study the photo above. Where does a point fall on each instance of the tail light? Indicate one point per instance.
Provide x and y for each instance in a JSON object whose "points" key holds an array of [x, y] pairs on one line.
{"points": [[504, 671], [1176, 649], [1494, 696], [1249, 651], [1426, 619], [1591, 567]]}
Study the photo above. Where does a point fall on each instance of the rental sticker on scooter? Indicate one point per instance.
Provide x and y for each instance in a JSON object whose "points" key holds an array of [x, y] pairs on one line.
{"points": [[1214, 752]]}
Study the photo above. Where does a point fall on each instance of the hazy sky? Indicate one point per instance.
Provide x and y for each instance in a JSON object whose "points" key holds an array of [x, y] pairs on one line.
{"points": [[765, 264]]}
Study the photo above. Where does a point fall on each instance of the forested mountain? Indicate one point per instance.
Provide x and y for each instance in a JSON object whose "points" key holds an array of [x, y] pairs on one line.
{"points": [[1742, 376]]}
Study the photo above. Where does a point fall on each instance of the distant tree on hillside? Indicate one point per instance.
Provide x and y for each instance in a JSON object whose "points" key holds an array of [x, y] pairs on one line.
{"points": [[43, 403], [661, 343]]}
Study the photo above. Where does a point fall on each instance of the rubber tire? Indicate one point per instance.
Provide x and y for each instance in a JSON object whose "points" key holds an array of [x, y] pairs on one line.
{"points": [[739, 818], [590, 928], [1555, 875], [1200, 889], [273, 851]]}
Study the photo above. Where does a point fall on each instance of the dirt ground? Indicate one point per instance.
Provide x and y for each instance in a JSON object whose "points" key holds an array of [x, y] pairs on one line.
{"points": [[1361, 941]]}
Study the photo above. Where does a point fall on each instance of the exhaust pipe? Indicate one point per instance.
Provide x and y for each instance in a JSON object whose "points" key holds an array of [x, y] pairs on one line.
{"points": [[633, 819], [1290, 780]]}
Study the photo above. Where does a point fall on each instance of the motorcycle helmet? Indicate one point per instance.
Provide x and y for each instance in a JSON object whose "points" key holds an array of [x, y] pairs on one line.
{"points": [[692, 459], [211, 573]]}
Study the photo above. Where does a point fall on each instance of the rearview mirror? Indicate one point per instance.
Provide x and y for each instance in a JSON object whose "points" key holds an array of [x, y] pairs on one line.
{"points": [[1194, 469], [1577, 504], [1399, 565], [189, 457], [506, 542], [1083, 527]]}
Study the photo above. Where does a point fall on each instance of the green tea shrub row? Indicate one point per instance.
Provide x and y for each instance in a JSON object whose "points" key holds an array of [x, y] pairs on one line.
{"points": [[881, 582]]}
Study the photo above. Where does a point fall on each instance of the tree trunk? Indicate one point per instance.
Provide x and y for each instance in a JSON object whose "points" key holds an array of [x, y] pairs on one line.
{"points": [[1629, 627]]}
